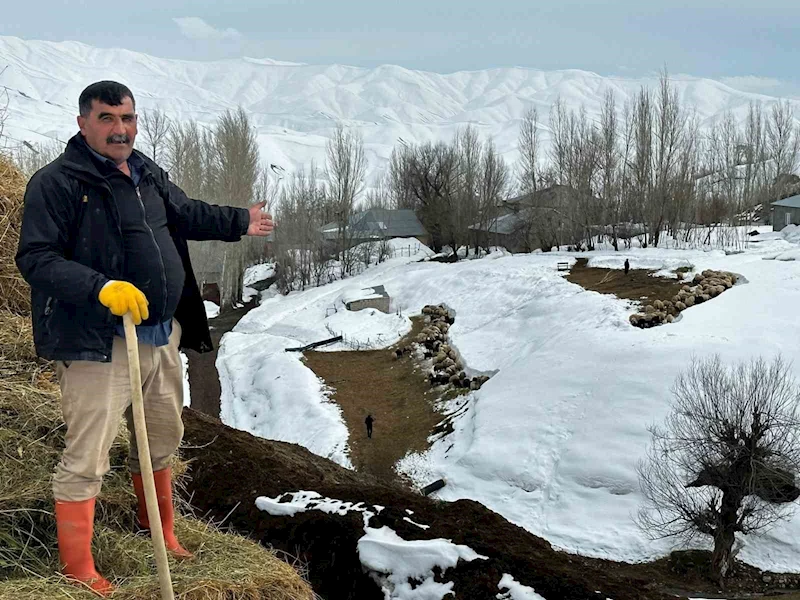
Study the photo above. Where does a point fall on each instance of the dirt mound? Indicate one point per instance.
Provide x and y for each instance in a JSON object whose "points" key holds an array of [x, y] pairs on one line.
{"points": [[230, 469]]}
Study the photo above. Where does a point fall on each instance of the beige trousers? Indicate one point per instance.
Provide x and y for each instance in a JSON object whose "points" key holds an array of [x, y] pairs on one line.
{"points": [[95, 396]]}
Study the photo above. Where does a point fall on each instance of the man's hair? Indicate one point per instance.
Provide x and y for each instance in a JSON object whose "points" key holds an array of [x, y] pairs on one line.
{"points": [[107, 92]]}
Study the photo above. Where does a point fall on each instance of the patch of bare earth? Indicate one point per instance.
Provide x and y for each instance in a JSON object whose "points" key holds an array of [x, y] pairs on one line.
{"points": [[394, 391], [638, 284]]}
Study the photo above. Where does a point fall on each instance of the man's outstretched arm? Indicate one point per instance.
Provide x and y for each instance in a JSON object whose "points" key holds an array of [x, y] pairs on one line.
{"points": [[200, 221]]}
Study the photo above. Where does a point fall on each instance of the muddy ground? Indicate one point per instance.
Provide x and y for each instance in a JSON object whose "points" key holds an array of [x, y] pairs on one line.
{"points": [[229, 469], [394, 391], [638, 284]]}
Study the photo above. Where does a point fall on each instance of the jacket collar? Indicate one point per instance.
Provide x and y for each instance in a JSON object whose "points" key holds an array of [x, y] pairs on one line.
{"points": [[78, 159]]}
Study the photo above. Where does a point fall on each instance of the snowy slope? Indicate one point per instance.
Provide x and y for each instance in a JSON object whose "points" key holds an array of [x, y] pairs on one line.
{"points": [[295, 107], [551, 442]]}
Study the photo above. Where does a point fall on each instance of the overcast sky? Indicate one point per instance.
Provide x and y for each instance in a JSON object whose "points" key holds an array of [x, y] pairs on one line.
{"points": [[757, 42]]}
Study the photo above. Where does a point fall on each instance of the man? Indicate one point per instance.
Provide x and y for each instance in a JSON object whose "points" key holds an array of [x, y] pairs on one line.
{"points": [[104, 232], [369, 420]]}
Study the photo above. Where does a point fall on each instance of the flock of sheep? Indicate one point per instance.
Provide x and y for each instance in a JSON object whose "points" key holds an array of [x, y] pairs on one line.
{"points": [[447, 367], [705, 286]]}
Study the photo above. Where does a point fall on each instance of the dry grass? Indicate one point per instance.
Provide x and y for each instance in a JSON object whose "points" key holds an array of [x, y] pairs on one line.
{"points": [[14, 292], [227, 567]]}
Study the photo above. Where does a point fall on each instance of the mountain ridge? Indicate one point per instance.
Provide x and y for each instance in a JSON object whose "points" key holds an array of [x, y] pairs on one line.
{"points": [[295, 107]]}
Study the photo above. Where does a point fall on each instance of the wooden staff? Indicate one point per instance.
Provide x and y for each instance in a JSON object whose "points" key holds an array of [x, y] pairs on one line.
{"points": [[156, 531]]}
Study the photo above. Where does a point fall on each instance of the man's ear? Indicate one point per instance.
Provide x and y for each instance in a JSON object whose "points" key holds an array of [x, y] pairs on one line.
{"points": [[81, 123]]}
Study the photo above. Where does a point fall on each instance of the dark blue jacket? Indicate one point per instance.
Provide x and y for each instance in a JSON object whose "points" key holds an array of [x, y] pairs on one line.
{"points": [[71, 244]]}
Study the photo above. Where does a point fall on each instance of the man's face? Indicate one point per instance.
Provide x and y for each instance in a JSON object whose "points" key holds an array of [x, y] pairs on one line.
{"points": [[110, 130]]}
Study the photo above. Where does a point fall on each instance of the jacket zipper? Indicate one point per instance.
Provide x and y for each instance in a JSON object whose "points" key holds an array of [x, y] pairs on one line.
{"points": [[158, 250]]}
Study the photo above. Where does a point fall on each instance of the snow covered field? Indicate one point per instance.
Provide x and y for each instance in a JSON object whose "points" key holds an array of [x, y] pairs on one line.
{"points": [[552, 440]]}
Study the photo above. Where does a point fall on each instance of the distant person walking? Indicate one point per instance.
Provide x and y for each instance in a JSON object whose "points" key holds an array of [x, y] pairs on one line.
{"points": [[627, 266], [369, 420]]}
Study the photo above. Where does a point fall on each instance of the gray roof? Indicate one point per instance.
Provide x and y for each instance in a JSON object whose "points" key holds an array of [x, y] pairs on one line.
{"points": [[504, 225], [790, 202], [379, 223]]}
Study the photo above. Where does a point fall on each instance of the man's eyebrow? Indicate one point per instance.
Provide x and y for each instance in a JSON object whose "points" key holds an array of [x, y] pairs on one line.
{"points": [[106, 113]]}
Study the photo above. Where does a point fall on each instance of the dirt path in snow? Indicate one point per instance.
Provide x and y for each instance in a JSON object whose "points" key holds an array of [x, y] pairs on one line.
{"points": [[398, 397], [204, 386]]}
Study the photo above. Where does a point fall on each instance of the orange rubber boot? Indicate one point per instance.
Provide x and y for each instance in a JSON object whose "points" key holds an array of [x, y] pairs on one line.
{"points": [[166, 510], [75, 526]]}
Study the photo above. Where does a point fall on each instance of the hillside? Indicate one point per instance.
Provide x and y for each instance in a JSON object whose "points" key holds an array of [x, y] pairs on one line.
{"points": [[295, 106], [552, 440]]}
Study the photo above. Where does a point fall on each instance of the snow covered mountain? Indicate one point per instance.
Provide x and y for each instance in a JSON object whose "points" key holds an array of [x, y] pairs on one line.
{"points": [[295, 106]]}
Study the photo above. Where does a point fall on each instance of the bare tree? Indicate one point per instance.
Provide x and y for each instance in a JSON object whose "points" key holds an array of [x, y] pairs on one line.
{"points": [[345, 169], [378, 199], [301, 253], [609, 159], [725, 461], [528, 167], [783, 147], [4, 101], [462, 209], [155, 132], [237, 169], [190, 158], [431, 175], [30, 157], [399, 186], [492, 190]]}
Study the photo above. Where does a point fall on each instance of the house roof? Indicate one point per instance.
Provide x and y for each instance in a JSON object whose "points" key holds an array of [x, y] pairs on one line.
{"points": [[504, 225], [545, 196], [790, 202], [381, 223]]}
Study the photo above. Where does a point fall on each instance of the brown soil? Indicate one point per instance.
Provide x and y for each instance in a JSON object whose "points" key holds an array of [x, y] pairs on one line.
{"points": [[229, 469], [204, 386], [393, 391], [638, 285]]}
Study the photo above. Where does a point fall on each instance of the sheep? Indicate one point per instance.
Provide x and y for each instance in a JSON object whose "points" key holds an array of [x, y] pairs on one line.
{"points": [[649, 309], [690, 301], [658, 305], [680, 306], [670, 319]]}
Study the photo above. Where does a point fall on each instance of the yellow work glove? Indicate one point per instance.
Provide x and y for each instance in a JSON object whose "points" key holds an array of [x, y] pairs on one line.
{"points": [[122, 297]]}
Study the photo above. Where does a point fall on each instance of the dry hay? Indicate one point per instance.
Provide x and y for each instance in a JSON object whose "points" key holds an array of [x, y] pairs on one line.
{"points": [[31, 438], [705, 286], [227, 567], [14, 292]]}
